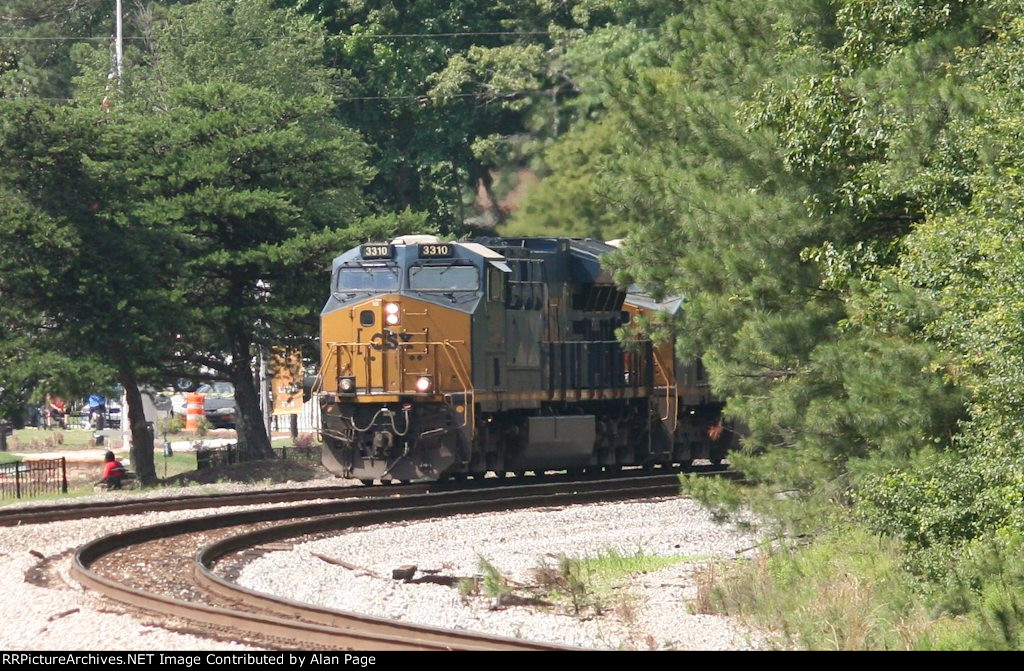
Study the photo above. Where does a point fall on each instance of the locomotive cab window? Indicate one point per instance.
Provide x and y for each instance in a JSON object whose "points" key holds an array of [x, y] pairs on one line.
{"points": [[444, 278], [372, 278]]}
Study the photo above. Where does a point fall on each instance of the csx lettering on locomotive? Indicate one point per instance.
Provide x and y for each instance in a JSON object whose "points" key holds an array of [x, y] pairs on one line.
{"points": [[458, 358]]}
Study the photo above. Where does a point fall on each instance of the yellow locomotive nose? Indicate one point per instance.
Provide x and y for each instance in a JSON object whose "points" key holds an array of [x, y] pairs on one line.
{"points": [[395, 345]]}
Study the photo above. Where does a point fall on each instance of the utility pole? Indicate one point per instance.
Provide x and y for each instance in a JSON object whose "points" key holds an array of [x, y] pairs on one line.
{"points": [[114, 78], [118, 44], [265, 390]]}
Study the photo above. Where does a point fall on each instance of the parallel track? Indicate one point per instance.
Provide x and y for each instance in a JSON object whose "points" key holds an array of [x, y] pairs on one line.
{"points": [[77, 511], [289, 624]]}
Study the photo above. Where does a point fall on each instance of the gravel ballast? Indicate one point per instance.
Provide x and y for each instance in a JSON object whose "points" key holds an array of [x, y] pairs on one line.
{"points": [[57, 614], [63, 616], [651, 613]]}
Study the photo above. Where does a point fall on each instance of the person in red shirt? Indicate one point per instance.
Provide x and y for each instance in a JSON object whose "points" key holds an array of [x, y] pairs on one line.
{"points": [[55, 412], [113, 472]]}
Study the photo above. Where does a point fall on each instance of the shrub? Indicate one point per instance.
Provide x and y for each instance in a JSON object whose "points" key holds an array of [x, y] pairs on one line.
{"points": [[171, 424], [202, 426], [494, 584]]}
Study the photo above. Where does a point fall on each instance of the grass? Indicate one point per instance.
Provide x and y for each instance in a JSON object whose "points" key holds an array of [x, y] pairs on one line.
{"points": [[610, 567], [37, 440], [589, 583], [176, 464], [847, 590], [8, 458]]}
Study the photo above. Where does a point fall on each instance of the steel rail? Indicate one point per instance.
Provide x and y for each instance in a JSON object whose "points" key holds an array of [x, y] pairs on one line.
{"points": [[10, 517], [207, 558], [63, 512], [321, 626]]}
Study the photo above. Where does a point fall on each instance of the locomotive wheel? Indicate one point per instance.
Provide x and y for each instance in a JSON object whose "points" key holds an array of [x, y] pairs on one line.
{"points": [[368, 483], [520, 474]]}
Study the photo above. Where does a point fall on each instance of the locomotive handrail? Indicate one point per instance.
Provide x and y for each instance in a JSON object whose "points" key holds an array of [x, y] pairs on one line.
{"points": [[670, 387], [318, 383], [317, 389], [467, 386]]}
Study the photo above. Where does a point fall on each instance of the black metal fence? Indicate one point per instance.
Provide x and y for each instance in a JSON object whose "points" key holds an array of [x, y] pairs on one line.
{"points": [[32, 478], [212, 457]]}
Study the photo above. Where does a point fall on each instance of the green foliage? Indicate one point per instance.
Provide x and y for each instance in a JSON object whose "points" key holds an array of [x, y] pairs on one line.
{"points": [[573, 582], [216, 180], [493, 583], [170, 425], [476, 79], [40, 66], [964, 268], [847, 591], [721, 496], [468, 587], [990, 586], [850, 590], [586, 583], [570, 200]]}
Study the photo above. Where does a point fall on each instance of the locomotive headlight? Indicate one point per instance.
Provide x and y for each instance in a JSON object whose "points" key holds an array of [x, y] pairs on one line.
{"points": [[391, 314], [347, 384], [424, 384]]}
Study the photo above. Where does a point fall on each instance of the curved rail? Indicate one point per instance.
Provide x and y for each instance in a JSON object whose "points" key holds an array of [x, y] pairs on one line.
{"points": [[55, 513], [309, 625], [77, 511]]}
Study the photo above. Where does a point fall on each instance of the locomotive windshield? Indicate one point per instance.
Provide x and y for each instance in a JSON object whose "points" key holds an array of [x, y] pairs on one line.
{"points": [[368, 278], [444, 278]]}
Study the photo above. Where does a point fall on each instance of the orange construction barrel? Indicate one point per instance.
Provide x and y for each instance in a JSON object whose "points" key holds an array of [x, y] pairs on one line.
{"points": [[195, 409]]}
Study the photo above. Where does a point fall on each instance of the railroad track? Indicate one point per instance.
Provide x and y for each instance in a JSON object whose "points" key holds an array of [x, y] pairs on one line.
{"points": [[227, 610], [78, 511]]}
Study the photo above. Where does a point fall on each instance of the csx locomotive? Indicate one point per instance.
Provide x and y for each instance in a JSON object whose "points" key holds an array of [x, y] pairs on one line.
{"points": [[446, 359]]}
